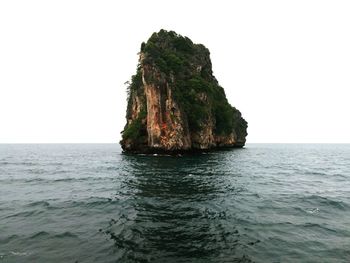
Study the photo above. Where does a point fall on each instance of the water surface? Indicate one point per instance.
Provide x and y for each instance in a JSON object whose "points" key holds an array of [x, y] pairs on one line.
{"points": [[90, 203]]}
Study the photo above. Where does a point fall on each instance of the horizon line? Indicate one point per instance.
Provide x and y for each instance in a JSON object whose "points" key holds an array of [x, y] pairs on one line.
{"points": [[119, 144]]}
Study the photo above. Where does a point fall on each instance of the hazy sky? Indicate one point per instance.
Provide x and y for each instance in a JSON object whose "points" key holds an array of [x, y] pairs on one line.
{"points": [[284, 64]]}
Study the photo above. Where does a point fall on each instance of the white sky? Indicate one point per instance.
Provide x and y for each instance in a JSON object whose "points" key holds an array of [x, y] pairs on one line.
{"points": [[284, 64]]}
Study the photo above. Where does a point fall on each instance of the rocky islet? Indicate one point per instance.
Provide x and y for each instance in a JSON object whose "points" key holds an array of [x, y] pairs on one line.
{"points": [[175, 103]]}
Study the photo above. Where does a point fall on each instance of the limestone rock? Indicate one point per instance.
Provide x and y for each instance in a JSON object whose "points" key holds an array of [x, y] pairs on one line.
{"points": [[175, 104]]}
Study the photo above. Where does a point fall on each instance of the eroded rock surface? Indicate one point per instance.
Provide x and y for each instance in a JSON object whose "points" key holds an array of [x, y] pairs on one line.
{"points": [[175, 104]]}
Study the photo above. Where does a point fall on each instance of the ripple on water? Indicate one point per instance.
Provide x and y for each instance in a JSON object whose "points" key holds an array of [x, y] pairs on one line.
{"points": [[89, 203], [327, 202]]}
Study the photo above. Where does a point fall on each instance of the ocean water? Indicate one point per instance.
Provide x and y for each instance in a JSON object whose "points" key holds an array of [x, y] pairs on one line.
{"points": [[91, 203]]}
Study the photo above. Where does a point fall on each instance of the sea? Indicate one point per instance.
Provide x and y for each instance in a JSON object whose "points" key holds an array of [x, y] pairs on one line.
{"points": [[92, 203]]}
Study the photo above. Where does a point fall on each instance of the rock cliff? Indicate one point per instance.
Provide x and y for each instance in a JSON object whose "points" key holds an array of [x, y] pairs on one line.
{"points": [[175, 104]]}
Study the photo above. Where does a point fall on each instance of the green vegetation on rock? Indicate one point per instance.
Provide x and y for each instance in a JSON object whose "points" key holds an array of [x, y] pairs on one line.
{"points": [[190, 66], [134, 130], [188, 108]]}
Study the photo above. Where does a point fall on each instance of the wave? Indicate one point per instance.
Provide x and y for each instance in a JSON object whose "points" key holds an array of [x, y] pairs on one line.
{"points": [[325, 201], [17, 253], [92, 202], [30, 163], [68, 179], [8, 239], [19, 163], [55, 180], [111, 168], [315, 225], [83, 179], [32, 180], [25, 214], [66, 234], [39, 203], [39, 234], [36, 171], [45, 234]]}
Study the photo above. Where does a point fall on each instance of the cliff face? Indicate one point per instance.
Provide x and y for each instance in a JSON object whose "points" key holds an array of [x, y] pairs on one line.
{"points": [[175, 103]]}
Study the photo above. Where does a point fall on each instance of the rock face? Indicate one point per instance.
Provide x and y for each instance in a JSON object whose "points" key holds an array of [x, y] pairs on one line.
{"points": [[175, 104]]}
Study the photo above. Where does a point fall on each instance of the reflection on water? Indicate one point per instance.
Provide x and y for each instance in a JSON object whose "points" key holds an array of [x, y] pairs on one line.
{"points": [[90, 203], [172, 211]]}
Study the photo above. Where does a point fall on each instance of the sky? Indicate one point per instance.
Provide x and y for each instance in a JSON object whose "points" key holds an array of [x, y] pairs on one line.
{"points": [[63, 64]]}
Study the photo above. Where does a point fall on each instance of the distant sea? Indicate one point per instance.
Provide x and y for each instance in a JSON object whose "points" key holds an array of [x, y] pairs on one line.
{"points": [[91, 203]]}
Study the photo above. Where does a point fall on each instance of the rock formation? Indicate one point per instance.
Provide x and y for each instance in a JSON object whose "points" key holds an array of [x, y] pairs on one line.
{"points": [[175, 104]]}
